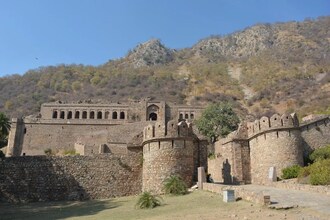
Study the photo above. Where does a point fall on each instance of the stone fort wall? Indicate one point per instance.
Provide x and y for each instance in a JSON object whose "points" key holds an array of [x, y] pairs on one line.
{"points": [[247, 154], [44, 178], [61, 126], [34, 138], [170, 150]]}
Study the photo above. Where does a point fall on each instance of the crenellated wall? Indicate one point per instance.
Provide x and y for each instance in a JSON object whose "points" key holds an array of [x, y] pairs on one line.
{"points": [[246, 155], [168, 150], [315, 133], [59, 125]]}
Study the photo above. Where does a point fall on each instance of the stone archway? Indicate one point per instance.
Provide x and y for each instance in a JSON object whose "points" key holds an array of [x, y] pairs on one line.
{"points": [[152, 112], [152, 116]]}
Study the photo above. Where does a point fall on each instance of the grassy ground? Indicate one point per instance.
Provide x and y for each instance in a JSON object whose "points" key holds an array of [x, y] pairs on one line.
{"points": [[196, 205]]}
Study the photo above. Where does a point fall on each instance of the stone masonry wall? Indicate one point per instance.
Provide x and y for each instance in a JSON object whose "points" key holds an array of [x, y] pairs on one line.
{"points": [[315, 134], [43, 178], [231, 164], [165, 158], [38, 137], [278, 149]]}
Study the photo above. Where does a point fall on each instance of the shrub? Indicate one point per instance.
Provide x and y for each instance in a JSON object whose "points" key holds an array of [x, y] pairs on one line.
{"points": [[290, 172], [175, 185], [211, 156], [304, 175], [320, 154], [148, 201], [70, 152], [48, 152], [320, 172]]}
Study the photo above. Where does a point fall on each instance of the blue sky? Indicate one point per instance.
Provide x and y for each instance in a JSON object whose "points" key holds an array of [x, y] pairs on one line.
{"points": [[36, 33]]}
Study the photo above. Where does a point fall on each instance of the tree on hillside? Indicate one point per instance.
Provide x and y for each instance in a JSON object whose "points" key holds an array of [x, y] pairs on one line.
{"points": [[4, 129], [217, 120]]}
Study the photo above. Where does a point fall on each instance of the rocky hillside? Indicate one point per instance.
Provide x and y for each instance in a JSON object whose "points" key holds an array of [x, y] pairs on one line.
{"points": [[263, 69]]}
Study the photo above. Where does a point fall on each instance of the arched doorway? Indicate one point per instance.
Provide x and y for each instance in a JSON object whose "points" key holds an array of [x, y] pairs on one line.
{"points": [[152, 112], [152, 116]]}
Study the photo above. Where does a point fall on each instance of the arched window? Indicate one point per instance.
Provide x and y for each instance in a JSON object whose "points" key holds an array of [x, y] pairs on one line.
{"points": [[69, 114], [91, 115], [192, 116], [77, 115], [153, 116], [84, 115], [122, 115], [99, 115], [55, 114], [114, 115], [106, 115], [62, 114], [181, 116], [152, 112], [186, 116]]}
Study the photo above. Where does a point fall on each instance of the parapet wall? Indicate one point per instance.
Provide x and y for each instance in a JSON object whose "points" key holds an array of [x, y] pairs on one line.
{"points": [[315, 133], [167, 150], [278, 141], [275, 122], [43, 178]]}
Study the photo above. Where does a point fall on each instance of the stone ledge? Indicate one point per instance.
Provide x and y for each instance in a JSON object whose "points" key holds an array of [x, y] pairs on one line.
{"points": [[292, 184]]}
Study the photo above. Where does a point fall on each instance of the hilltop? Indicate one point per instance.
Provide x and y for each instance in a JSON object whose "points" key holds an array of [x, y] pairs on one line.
{"points": [[262, 69]]}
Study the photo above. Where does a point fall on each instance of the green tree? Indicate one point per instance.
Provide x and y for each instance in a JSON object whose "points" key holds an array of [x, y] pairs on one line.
{"points": [[4, 129], [217, 120]]}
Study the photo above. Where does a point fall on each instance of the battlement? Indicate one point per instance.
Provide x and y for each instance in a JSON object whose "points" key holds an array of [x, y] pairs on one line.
{"points": [[171, 130], [274, 122]]}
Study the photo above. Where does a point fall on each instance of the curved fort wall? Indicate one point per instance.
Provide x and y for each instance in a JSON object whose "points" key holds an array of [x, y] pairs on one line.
{"points": [[167, 151], [274, 142], [247, 155]]}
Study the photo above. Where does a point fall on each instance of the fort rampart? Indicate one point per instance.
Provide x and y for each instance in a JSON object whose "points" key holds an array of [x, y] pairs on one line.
{"points": [[247, 154], [170, 150], [49, 178]]}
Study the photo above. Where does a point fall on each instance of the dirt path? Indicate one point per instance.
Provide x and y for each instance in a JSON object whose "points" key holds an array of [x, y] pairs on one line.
{"points": [[282, 198]]}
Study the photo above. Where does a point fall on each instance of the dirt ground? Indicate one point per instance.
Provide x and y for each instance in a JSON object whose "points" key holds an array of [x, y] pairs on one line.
{"points": [[196, 205]]}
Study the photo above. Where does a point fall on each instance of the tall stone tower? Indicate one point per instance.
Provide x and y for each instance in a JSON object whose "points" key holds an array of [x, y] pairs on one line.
{"points": [[167, 150]]}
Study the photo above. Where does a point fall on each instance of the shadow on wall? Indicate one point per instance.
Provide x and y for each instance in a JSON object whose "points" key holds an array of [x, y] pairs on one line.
{"points": [[22, 179], [55, 210], [226, 174]]}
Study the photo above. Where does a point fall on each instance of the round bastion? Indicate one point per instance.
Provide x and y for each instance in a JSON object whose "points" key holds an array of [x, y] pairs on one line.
{"points": [[167, 150]]}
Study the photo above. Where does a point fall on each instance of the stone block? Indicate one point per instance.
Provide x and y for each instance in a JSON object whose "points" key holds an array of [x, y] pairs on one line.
{"points": [[229, 196]]}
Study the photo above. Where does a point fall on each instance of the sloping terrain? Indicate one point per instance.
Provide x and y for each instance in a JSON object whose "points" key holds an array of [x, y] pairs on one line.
{"points": [[263, 69]]}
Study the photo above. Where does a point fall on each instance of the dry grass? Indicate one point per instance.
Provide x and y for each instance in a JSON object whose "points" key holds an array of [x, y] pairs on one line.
{"points": [[196, 205]]}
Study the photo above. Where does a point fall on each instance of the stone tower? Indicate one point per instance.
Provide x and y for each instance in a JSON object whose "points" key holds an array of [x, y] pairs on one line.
{"points": [[274, 142], [167, 150]]}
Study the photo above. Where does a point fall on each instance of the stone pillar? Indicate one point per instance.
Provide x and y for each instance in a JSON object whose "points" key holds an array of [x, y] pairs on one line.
{"points": [[201, 177], [272, 174]]}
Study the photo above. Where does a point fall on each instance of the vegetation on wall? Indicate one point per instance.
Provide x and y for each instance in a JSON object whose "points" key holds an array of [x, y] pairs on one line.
{"points": [[316, 173]]}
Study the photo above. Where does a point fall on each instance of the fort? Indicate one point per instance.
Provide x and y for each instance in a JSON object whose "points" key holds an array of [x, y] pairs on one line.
{"points": [[128, 148], [247, 155]]}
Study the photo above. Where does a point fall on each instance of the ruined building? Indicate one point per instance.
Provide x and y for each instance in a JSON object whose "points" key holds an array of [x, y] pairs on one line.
{"points": [[248, 154], [128, 148], [91, 128]]}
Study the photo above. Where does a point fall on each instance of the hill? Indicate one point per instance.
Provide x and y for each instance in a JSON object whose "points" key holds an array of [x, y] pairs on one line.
{"points": [[263, 69]]}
